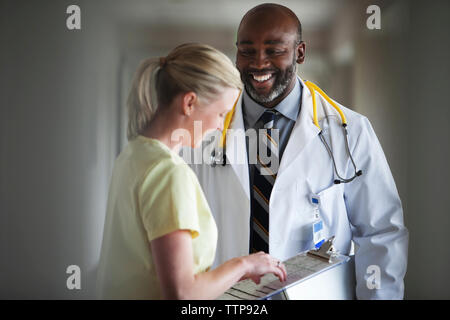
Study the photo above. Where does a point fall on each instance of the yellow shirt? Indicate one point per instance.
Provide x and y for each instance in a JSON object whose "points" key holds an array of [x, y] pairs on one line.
{"points": [[153, 192]]}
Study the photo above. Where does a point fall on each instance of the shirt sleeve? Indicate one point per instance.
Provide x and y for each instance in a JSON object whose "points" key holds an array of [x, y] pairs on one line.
{"points": [[168, 202]]}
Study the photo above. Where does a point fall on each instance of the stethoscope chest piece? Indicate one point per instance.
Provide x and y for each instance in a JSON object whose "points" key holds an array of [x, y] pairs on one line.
{"points": [[218, 157]]}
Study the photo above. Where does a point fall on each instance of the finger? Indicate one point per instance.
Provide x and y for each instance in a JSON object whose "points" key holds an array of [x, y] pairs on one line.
{"points": [[275, 265], [279, 273], [276, 270], [283, 269], [283, 272], [256, 279]]}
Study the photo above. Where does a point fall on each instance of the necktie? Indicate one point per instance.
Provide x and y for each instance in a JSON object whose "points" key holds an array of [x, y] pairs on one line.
{"points": [[263, 179]]}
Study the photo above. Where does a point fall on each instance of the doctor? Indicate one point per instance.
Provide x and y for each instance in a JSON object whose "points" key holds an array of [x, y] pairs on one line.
{"points": [[309, 185]]}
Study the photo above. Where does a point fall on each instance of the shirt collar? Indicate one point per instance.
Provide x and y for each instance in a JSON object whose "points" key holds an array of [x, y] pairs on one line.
{"points": [[288, 107]]}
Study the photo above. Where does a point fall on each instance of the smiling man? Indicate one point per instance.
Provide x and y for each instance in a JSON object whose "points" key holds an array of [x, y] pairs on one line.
{"points": [[318, 190], [269, 48]]}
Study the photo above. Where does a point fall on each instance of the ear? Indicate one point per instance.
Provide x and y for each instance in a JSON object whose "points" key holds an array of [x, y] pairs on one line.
{"points": [[188, 101], [300, 52]]}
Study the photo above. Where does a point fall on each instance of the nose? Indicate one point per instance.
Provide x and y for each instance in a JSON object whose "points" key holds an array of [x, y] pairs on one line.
{"points": [[260, 60]]}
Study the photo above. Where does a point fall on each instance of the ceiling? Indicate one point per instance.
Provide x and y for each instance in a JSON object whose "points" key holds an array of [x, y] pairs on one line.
{"points": [[313, 14]]}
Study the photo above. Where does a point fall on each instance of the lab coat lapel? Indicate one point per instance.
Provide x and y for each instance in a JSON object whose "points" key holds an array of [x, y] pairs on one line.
{"points": [[302, 133], [236, 149]]}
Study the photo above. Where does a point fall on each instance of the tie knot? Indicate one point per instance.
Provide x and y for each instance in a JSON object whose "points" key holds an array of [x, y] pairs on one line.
{"points": [[268, 118]]}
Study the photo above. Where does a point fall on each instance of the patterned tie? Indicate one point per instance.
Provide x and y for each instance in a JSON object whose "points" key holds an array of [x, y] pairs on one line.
{"points": [[263, 180]]}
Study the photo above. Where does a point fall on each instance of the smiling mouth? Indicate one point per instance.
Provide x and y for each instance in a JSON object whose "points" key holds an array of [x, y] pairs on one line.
{"points": [[262, 78]]}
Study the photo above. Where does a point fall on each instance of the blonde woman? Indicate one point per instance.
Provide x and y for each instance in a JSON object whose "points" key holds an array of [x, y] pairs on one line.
{"points": [[160, 237]]}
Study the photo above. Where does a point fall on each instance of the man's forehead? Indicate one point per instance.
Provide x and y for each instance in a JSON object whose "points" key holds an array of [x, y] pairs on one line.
{"points": [[257, 28], [265, 36], [267, 42]]}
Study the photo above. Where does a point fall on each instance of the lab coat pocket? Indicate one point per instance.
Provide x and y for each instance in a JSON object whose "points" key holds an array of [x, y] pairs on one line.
{"points": [[331, 206], [298, 217]]}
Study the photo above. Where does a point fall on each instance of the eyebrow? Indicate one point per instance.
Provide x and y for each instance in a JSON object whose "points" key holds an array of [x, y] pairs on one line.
{"points": [[265, 42]]}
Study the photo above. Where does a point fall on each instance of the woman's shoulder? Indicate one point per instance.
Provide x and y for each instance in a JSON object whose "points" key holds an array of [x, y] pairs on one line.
{"points": [[153, 159]]}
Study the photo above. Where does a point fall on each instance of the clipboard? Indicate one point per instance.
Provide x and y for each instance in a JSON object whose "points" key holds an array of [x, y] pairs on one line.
{"points": [[300, 268]]}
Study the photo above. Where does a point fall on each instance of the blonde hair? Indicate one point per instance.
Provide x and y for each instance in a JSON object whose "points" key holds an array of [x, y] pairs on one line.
{"points": [[189, 67]]}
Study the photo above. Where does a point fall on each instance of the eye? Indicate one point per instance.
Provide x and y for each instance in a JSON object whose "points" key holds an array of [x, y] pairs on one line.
{"points": [[246, 52], [275, 51]]}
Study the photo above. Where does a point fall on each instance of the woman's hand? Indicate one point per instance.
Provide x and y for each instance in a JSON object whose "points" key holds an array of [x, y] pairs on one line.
{"points": [[260, 263], [172, 256]]}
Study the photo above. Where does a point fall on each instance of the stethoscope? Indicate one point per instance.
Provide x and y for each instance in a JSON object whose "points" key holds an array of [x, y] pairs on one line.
{"points": [[218, 157]]}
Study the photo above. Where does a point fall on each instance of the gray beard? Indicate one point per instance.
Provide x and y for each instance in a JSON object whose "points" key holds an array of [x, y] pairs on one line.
{"points": [[279, 89]]}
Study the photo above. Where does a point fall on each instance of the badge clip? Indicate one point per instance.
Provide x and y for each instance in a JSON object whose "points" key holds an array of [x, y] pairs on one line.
{"points": [[326, 251], [315, 200]]}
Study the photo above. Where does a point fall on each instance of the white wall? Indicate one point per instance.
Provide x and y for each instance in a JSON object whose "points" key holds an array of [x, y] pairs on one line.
{"points": [[428, 115], [59, 137], [380, 90]]}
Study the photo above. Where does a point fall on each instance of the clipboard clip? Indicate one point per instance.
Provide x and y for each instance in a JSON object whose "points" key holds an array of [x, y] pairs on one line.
{"points": [[326, 251]]}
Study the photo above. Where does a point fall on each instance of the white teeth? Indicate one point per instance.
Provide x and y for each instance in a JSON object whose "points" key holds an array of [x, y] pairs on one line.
{"points": [[262, 78]]}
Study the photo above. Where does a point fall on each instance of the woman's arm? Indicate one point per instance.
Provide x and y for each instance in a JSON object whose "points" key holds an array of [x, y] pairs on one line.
{"points": [[173, 258]]}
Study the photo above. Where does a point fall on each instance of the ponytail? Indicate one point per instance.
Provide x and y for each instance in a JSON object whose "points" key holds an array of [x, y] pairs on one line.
{"points": [[141, 103]]}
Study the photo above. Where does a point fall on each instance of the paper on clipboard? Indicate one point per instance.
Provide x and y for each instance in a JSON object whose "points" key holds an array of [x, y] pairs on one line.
{"points": [[299, 268]]}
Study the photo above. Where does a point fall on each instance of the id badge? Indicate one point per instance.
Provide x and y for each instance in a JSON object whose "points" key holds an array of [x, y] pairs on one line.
{"points": [[318, 236], [317, 225]]}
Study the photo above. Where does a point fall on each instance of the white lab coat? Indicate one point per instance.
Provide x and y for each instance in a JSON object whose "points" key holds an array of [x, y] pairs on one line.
{"points": [[367, 210]]}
